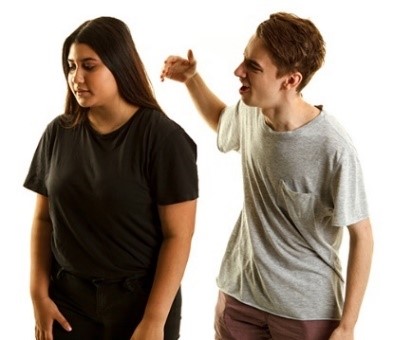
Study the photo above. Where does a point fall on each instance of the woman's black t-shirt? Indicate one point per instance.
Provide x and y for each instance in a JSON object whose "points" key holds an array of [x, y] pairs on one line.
{"points": [[104, 191]]}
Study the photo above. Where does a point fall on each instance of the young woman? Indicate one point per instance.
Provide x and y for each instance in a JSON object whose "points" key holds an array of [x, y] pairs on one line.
{"points": [[116, 183]]}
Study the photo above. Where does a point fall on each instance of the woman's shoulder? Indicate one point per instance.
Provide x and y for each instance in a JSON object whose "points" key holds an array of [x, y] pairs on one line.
{"points": [[158, 120], [53, 125], [160, 126], [56, 122]]}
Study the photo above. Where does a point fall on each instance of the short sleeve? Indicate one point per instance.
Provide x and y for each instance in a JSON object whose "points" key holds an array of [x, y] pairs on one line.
{"points": [[349, 196], [228, 133], [174, 170], [39, 166]]}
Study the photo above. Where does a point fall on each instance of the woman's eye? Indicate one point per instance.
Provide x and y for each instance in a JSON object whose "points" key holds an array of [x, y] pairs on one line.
{"points": [[88, 67]]}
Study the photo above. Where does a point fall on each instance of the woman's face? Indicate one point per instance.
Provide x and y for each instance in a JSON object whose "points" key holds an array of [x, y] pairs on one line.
{"points": [[91, 82]]}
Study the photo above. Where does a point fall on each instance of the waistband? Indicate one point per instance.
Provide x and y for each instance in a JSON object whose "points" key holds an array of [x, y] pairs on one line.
{"points": [[143, 275]]}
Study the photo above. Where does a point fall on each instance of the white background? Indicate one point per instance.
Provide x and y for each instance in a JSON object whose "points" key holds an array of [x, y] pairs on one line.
{"points": [[354, 85]]}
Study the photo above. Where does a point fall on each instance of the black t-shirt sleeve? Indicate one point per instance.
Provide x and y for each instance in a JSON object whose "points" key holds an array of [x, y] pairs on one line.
{"points": [[174, 170], [39, 166]]}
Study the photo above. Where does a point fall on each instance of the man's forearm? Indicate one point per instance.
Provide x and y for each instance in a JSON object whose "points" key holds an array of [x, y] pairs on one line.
{"points": [[359, 265], [206, 102]]}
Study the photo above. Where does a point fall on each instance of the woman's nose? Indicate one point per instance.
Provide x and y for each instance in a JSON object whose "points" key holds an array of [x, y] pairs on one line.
{"points": [[77, 76]]}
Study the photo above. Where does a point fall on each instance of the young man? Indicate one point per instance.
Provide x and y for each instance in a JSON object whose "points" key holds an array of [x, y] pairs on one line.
{"points": [[281, 277]]}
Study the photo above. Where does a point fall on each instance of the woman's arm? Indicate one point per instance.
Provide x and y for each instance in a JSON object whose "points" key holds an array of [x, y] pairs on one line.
{"points": [[45, 311], [178, 222], [40, 250]]}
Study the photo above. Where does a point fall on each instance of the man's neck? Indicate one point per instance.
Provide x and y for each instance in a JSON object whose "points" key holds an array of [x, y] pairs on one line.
{"points": [[290, 117]]}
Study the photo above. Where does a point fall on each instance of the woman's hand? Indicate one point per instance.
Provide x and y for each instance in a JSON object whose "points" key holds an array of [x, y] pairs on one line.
{"points": [[46, 313], [148, 331]]}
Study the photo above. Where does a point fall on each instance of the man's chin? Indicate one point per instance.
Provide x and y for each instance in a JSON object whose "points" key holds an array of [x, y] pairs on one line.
{"points": [[246, 100]]}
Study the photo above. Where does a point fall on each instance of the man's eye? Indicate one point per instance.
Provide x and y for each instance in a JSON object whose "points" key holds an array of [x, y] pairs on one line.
{"points": [[252, 67]]}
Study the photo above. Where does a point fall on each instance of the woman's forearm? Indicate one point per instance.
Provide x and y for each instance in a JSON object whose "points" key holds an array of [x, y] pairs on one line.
{"points": [[178, 222], [40, 251], [171, 265]]}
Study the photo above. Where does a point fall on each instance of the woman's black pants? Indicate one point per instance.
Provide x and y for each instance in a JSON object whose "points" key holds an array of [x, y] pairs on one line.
{"points": [[105, 309]]}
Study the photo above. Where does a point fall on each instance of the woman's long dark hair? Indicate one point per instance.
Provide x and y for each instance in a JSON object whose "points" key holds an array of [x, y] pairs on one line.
{"points": [[111, 39]]}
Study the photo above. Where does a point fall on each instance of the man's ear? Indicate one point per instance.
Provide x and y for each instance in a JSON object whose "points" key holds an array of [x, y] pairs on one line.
{"points": [[292, 80]]}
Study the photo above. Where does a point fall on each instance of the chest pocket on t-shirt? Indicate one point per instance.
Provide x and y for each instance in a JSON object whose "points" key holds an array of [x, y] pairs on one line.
{"points": [[304, 209], [312, 221]]}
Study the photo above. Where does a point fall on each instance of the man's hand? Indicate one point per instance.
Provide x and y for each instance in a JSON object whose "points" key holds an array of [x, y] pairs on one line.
{"points": [[178, 68]]}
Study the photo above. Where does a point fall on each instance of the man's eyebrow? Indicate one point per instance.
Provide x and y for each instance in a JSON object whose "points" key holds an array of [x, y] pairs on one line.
{"points": [[253, 63]]}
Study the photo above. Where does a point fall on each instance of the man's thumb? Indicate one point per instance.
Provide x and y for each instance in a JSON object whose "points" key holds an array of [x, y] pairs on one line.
{"points": [[190, 56]]}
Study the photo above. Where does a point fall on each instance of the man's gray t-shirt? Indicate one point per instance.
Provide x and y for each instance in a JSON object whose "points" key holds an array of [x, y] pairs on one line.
{"points": [[300, 188]]}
